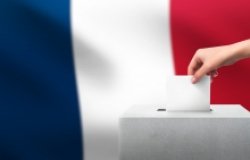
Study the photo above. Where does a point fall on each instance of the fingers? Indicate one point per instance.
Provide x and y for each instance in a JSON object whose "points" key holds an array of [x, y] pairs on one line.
{"points": [[199, 67], [194, 65], [203, 70], [214, 73]]}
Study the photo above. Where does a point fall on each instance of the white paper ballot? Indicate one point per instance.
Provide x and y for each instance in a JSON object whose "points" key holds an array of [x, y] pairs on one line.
{"points": [[182, 95]]}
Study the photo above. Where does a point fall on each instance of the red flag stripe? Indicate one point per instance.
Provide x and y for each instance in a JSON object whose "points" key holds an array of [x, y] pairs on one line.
{"points": [[197, 24]]}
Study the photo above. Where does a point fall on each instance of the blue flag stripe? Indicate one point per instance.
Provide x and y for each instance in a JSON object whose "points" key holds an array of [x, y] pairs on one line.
{"points": [[39, 112]]}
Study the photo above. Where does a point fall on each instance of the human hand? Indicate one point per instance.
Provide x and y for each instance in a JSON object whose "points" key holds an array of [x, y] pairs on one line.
{"points": [[208, 60]]}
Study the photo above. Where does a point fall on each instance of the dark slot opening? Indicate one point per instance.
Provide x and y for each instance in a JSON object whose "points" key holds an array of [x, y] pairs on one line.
{"points": [[161, 110]]}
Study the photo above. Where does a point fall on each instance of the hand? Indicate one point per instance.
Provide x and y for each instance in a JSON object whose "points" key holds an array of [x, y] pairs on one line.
{"points": [[208, 60]]}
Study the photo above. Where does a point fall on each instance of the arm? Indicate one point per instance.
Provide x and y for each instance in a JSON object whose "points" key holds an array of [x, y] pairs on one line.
{"points": [[208, 60]]}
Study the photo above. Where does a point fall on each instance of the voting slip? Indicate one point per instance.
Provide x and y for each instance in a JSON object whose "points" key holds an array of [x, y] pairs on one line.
{"points": [[182, 95]]}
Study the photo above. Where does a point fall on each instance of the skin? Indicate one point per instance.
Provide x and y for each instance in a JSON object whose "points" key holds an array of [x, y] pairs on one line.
{"points": [[206, 61]]}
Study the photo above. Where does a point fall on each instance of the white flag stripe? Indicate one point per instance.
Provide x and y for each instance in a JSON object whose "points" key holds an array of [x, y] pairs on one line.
{"points": [[122, 57]]}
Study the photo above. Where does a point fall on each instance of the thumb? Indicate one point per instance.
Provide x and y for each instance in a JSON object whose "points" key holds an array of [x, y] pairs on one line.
{"points": [[203, 70]]}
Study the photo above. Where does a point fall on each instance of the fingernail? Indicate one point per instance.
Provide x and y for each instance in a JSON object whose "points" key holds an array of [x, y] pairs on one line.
{"points": [[193, 79]]}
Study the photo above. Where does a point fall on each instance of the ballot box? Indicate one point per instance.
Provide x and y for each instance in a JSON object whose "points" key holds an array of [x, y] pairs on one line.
{"points": [[153, 133]]}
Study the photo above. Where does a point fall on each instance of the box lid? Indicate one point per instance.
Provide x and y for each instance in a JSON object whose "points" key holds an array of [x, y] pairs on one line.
{"points": [[159, 111]]}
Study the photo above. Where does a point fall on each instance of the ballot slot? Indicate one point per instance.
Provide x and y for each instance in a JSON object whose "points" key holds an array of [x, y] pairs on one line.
{"points": [[161, 110], [165, 110]]}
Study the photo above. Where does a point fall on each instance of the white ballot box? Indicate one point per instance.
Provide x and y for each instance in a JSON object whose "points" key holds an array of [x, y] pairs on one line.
{"points": [[152, 133]]}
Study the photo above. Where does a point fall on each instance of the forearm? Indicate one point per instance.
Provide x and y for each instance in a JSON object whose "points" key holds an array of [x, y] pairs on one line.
{"points": [[241, 49]]}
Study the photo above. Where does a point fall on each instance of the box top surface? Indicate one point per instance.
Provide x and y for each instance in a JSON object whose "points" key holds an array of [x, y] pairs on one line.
{"points": [[217, 111]]}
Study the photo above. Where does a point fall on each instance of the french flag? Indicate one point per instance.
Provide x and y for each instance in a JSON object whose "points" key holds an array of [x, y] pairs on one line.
{"points": [[69, 69]]}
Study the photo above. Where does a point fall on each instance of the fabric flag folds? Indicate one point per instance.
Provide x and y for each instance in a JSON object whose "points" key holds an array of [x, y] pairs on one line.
{"points": [[39, 114], [70, 68]]}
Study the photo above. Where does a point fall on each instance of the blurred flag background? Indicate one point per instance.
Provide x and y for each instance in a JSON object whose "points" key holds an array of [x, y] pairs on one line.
{"points": [[69, 69], [39, 111]]}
